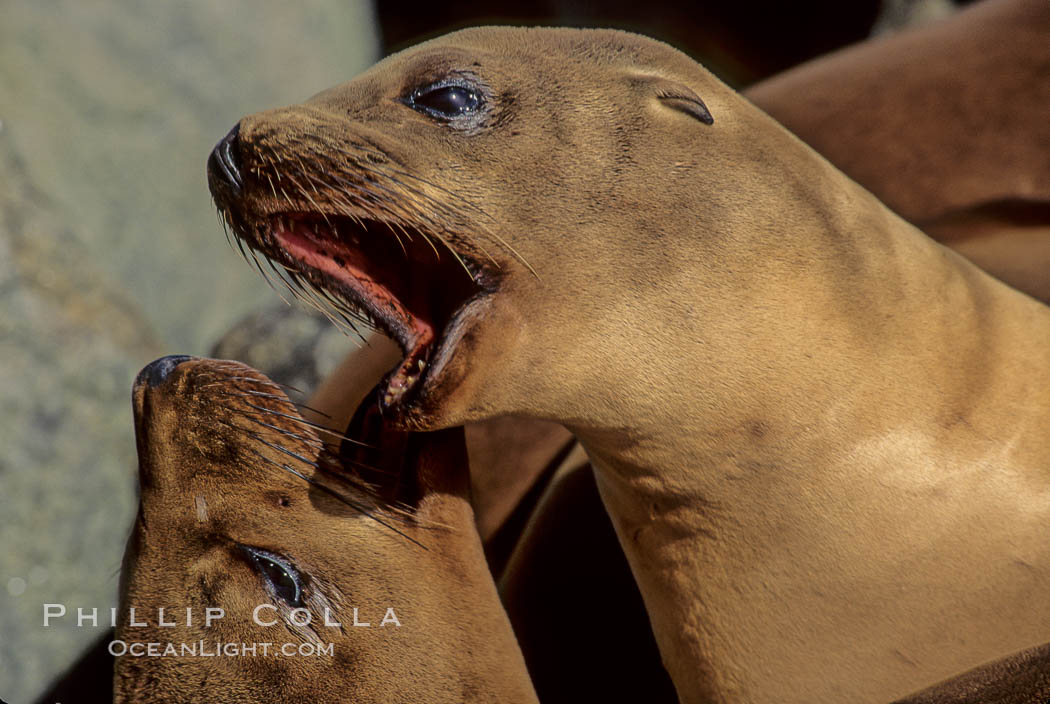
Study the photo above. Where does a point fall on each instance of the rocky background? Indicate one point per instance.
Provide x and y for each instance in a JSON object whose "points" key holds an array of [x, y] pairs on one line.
{"points": [[111, 255]]}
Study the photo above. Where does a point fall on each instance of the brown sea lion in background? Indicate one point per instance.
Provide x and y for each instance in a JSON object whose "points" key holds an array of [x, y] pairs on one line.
{"points": [[244, 508], [794, 401], [947, 124]]}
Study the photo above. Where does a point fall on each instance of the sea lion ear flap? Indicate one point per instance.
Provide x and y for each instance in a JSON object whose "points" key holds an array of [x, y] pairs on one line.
{"points": [[678, 97]]}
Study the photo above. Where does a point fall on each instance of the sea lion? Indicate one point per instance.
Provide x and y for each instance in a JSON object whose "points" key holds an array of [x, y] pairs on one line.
{"points": [[937, 121], [244, 509], [794, 401]]}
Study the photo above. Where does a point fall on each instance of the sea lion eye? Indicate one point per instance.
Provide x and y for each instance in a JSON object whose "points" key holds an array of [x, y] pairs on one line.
{"points": [[447, 101], [281, 576]]}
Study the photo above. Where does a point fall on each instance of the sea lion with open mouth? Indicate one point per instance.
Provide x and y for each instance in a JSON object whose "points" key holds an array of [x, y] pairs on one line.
{"points": [[245, 508], [815, 429]]}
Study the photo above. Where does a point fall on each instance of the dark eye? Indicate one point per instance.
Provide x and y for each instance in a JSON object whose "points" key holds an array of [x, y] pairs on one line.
{"points": [[447, 101], [282, 577]]}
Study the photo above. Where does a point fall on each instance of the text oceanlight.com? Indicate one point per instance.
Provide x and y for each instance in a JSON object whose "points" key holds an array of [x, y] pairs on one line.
{"points": [[206, 649]]}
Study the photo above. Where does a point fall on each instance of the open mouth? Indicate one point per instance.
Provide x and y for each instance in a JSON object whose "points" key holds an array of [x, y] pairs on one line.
{"points": [[416, 289]]}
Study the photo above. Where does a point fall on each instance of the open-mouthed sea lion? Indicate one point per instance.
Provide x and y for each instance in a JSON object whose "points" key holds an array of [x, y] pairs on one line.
{"points": [[940, 122], [816, 430], [244, 510]]}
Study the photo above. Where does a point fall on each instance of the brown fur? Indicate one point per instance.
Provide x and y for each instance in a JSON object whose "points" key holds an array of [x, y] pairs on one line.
{"points": [[795, 402], [211, 449]]}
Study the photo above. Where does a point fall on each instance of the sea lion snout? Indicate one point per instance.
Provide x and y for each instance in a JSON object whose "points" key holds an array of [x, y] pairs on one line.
{"points": [[154, 373], [197, 416], [224, 162]]}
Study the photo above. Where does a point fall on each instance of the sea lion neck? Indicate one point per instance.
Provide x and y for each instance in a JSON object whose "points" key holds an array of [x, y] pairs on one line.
{"points": [[773, 313], [849, 398]]}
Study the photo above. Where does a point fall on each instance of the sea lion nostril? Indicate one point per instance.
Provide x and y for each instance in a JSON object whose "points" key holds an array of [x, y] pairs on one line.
{"points": [[224, 159], [154, 373]]}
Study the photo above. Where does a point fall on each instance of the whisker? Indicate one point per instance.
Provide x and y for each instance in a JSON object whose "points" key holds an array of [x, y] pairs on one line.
{"points": [[258, 438], [281, 398], [352, 504], [315, 426], [313, 443]]}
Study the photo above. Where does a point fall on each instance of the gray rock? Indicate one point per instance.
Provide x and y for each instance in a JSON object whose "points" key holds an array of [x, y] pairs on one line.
{"points": [[70, 340], [290, 345]]}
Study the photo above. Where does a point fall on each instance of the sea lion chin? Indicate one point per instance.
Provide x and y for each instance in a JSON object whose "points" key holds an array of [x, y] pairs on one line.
{"points": [[262, 568]]}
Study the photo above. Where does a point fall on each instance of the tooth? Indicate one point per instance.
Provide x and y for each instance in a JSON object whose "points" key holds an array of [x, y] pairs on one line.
{"points": [[421, 364], [409, 381]]}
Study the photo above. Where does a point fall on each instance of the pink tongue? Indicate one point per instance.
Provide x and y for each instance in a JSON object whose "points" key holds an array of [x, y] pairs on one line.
{"points": [[341, 263]]}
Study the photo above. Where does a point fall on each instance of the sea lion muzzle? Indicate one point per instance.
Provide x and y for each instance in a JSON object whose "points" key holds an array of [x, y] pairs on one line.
{"points": [[223, 164], [154, 373]]}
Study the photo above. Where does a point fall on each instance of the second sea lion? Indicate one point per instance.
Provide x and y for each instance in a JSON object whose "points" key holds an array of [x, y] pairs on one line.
{"points": [[246, 517]]}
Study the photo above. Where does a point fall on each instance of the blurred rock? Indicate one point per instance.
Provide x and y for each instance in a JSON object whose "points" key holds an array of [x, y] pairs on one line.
{"points": [[70, 340], [290, 345], [111, 255], [114, 106]]}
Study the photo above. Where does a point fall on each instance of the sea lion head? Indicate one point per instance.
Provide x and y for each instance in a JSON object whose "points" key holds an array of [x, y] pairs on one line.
{"points": [[246, 509], [496, 193]]}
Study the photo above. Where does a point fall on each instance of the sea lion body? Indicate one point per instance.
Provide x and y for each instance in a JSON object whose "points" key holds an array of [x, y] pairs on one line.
{"points": [[242, 510], [818, 433]]}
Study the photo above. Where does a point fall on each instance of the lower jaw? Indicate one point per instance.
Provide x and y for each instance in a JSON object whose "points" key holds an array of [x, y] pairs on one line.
{"points": [[399, 388], [423, 406]]}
